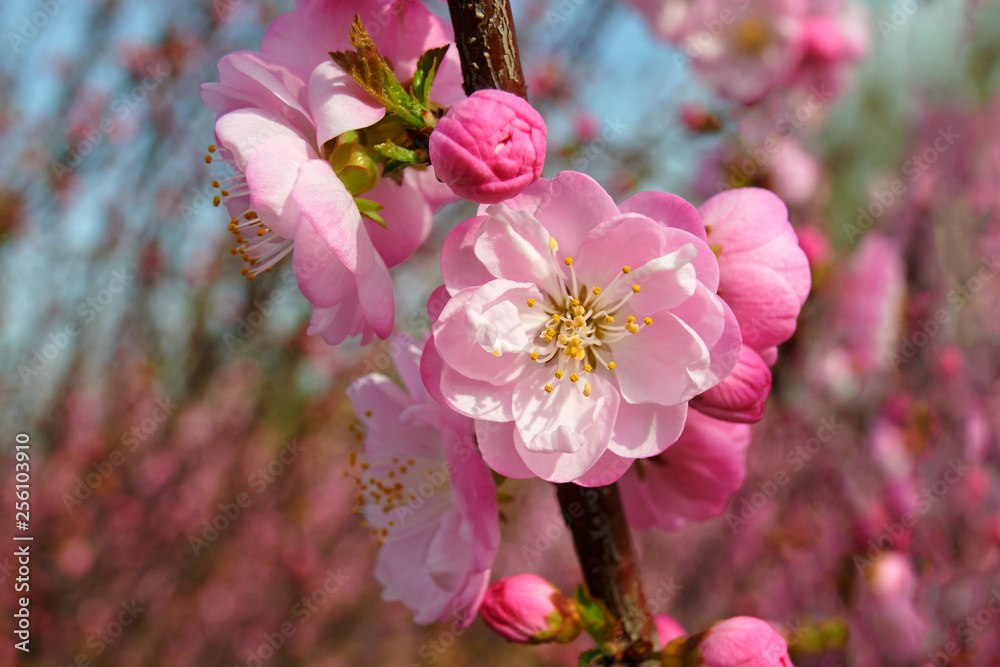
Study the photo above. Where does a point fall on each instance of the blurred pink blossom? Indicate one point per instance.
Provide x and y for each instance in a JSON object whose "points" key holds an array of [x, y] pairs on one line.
{"points": [[425, 493]]}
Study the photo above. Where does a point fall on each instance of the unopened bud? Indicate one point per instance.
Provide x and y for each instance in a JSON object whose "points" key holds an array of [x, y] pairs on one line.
{"points": [[529, 610]]}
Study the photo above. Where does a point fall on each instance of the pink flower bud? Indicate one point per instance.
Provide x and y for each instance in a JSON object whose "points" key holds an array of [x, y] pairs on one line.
{"points": [[489, 147], [667, 629], [529, 610], [734, 642], [740, 397]]}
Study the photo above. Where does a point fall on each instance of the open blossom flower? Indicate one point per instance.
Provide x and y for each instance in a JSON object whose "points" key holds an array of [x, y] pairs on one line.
{"points": [[425, 493], [529, 610], [292, 125], [764, 274], [692, 480], [578, 330], [742, 641], [744, 58], [489, 147], [666, 17]]}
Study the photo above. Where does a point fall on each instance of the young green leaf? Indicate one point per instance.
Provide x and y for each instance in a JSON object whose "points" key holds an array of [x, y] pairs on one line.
{"points": [[423, 78], [370, 209], [391, 151]]}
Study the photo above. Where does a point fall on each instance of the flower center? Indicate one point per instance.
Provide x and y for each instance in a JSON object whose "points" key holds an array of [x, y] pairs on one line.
{"points": [[751, 37], [256, 244], [582, 324], [392, 490]]}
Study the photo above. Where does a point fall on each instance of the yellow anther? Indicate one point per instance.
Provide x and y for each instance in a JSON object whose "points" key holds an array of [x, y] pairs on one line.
{"points": [[224, 193], [630, 319], [632, 327], [216, 200], [208, 159], [611, 365], [574, 377], [586, 389], [550, 332], [211, 148], [626, 269], [548, 388], [608, 319], [568, 261], [553, 244], [534, 356], [531, 303], [597, 291], [496, 353], [559, 375], [215, 184], [578, 321], [574, 303], [647, 320], [588, 367], [635, 289], [244, 271]]}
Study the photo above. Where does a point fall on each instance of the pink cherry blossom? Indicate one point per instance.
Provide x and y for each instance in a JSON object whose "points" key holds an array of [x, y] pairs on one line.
{"points": [[281, 115], [873, 290], [834, 35], [578, 330], [426, 493], [745, 57], [489, 147], [527, 609], [764, 275], [692, 480]]}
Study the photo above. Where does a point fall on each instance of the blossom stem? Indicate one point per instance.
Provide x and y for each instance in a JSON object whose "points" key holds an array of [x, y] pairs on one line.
{"points": [[607, 556], [487, 46]]}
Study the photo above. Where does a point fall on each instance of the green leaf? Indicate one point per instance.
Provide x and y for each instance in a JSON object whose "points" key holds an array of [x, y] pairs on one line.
{"points": [[593, 614], [372, 72], [591, 657], [391, 151], [423, 78], [370, 209]]}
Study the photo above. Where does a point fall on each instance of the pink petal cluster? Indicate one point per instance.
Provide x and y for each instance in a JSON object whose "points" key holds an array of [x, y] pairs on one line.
{"points": [[577, 330], [426, 493], [280, 111], [528, 610], [692, 480], [742, 641], [489, 147], [764, 274], [668, 629]]}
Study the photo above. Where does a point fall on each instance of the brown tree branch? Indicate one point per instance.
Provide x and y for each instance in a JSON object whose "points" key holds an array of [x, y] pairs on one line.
{"points": [[607, 555], [487, 46]]}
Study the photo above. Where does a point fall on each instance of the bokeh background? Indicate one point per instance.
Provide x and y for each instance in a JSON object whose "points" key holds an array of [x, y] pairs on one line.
{"points": [[157, 385]]}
